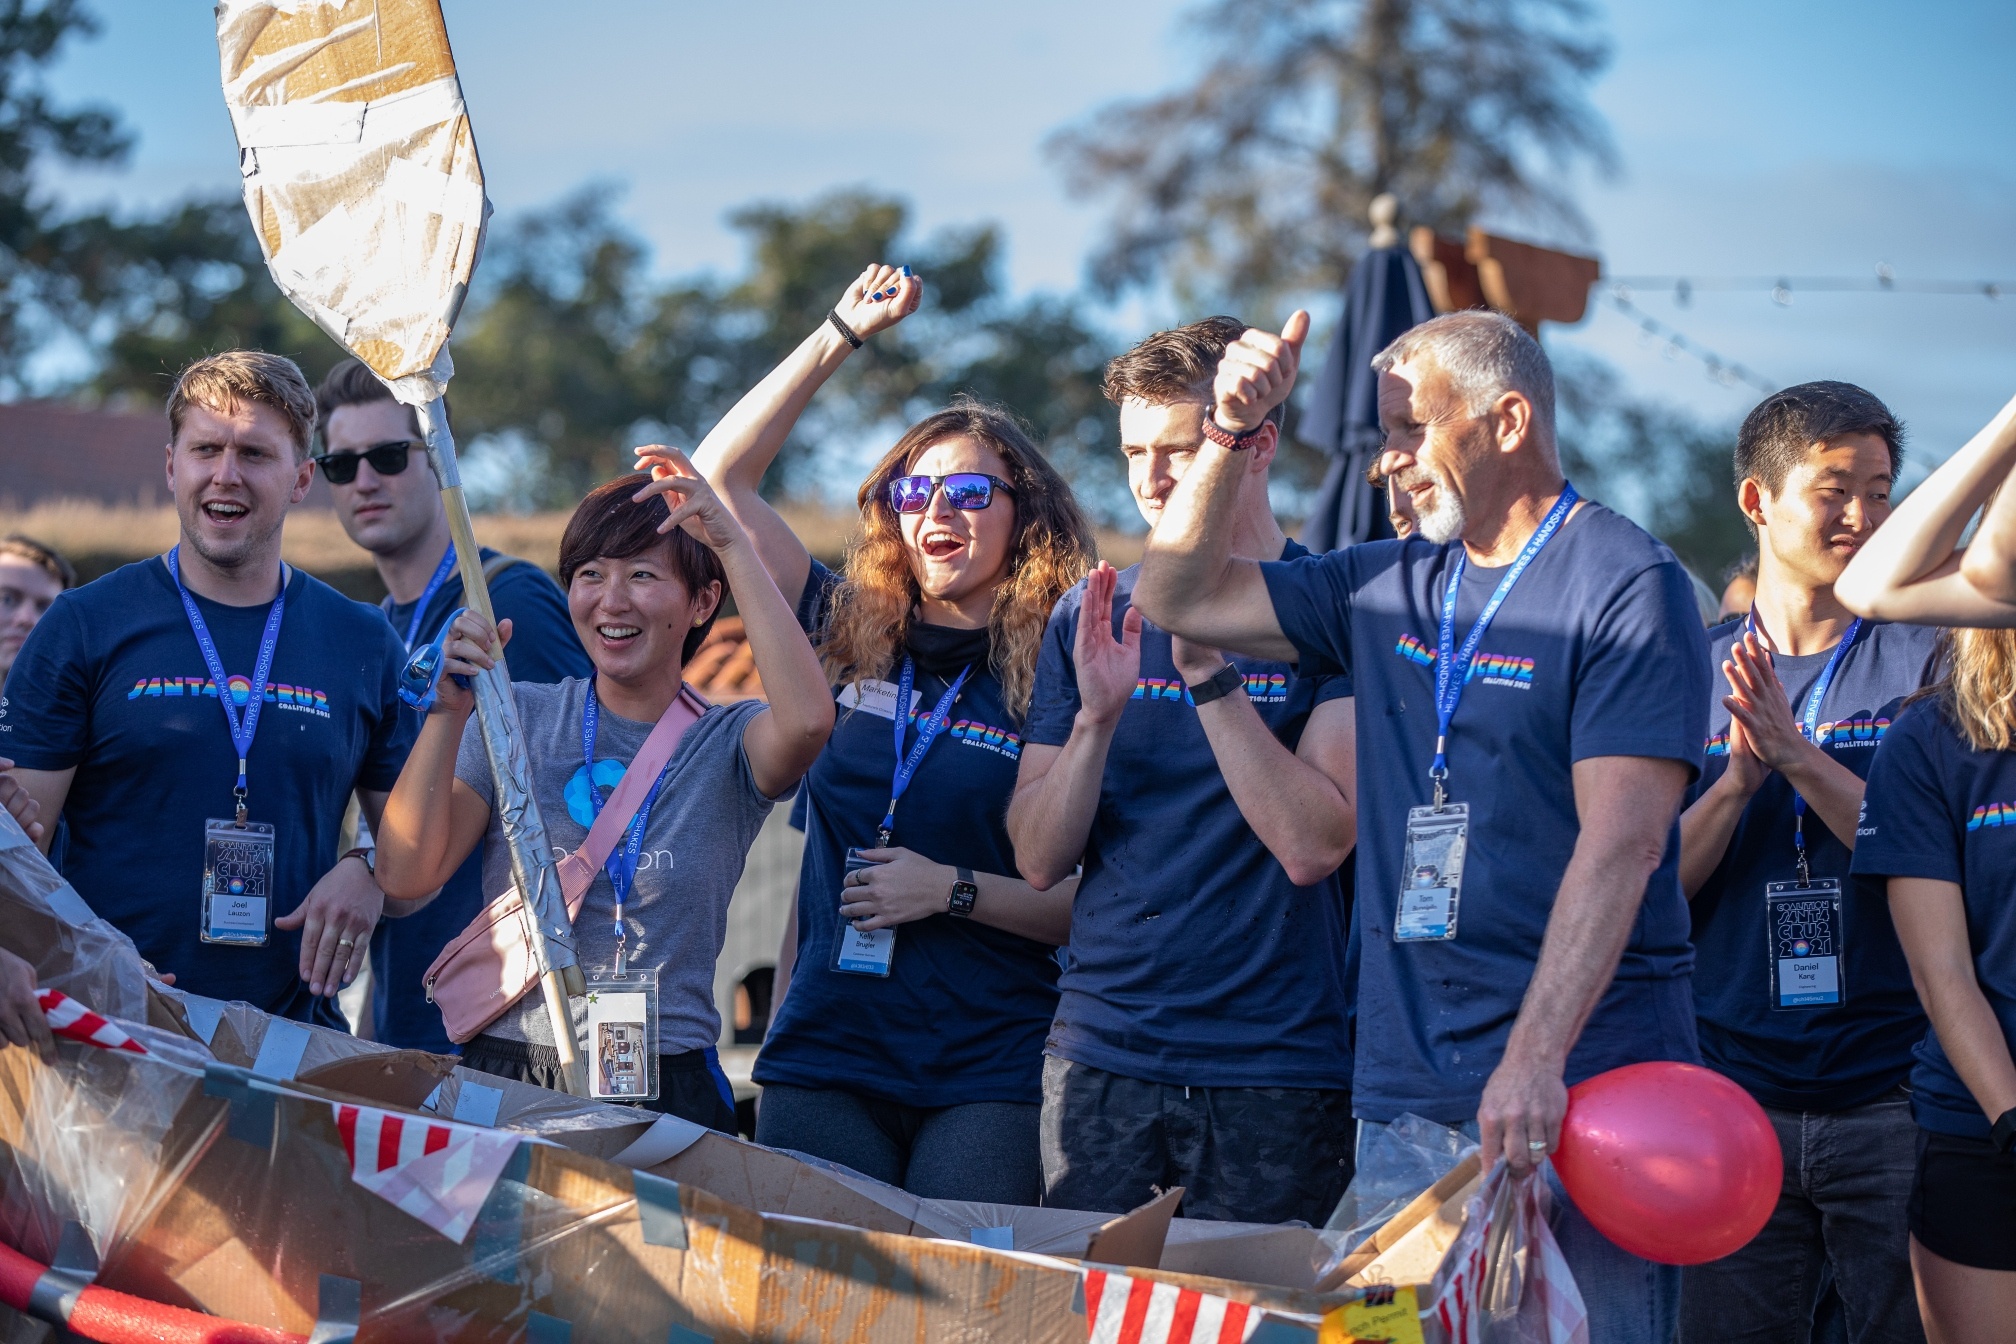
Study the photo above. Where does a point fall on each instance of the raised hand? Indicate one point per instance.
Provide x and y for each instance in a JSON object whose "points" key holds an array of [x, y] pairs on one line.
{"points": [[1109, 669], [879, 298], [696, 507], [1257, 373]]}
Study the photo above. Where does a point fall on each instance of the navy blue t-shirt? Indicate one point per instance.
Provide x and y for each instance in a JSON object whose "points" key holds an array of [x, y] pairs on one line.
{"points": [[1598, 651], [1937, 808], [961, 1016], [1194, 960], [1807, 1059], [112, 682], [544, 649]]}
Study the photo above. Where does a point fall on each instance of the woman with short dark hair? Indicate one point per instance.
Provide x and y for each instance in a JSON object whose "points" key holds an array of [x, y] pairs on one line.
{"points": [[922, 975], [643, 588]]}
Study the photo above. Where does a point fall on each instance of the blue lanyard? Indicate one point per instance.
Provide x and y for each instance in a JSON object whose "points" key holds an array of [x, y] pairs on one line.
{"points": [[927, 733], [1452, 669], [441, 573], [242, 727], [1809, 724], [621, 864]]}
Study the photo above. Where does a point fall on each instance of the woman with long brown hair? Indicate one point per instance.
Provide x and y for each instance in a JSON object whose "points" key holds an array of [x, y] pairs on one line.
{"points": [[921, 970], [1939, 822]]}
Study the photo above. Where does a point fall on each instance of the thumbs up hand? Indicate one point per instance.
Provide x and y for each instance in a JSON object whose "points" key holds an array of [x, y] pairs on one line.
{"points": [[1257, 373]]}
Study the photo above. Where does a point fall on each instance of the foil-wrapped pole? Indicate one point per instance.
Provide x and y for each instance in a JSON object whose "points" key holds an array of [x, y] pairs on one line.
{"points": [[552, 934]]}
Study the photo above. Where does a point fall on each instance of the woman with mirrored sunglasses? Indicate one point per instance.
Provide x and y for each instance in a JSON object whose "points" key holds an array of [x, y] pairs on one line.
{"points": [[918, 978]]}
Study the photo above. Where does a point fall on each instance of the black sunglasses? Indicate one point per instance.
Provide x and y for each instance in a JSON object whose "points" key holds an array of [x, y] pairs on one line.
{"points": [[966, 491], [387, 459]]}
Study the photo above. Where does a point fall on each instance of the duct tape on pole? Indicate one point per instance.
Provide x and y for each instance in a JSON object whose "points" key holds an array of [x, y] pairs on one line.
{"points": [[364, 188]]}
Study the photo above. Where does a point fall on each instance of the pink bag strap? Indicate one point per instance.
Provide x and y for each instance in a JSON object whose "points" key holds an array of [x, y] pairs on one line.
{"points": [[577, 870]]}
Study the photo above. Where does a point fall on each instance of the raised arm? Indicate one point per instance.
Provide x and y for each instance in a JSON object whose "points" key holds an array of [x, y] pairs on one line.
{"points": [[739, 450], [1625, 805], [1191, 584], [1910, 569], [783, 740]]}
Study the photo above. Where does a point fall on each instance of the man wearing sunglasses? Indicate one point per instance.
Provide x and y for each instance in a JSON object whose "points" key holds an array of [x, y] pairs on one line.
{"points": [[390, 504], [1201, 1039]]}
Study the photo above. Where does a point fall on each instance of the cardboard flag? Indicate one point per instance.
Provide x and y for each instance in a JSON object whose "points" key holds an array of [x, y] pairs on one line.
{"points": [[69, 1018], [1120, 1309], [434, 1170], [360, 172]]}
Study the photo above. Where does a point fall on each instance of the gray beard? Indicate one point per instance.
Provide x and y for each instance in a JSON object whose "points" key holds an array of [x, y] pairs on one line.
{"points": [[1445, 522]]}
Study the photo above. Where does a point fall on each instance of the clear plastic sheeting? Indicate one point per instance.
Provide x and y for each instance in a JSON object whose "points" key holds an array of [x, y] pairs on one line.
{"points": [[49, 925], [1505, 1280], [1402, 1160]]}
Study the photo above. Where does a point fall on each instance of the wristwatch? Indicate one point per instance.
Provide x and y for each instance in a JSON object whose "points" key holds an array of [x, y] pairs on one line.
{"points": [[1225, 438], [370, 857], [1217, 686], [964, 892]]}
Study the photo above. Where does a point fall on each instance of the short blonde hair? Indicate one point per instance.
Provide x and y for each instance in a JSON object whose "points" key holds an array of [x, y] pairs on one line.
{"points": [[224, 382]]}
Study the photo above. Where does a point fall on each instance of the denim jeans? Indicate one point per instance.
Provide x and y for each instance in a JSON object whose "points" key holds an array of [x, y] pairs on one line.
{"points": [[1847, 1181], [1629, 1300]]}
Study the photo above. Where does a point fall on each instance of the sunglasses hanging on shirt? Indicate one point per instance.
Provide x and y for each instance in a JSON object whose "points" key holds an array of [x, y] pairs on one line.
{"points": [[966, 491], [387, 459]]}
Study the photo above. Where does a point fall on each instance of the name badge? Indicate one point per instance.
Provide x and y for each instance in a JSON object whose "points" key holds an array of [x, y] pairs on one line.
{"points": [[874, 697], [1803, 923], [623, 1035], [857, 951], [1431, 873], [237, 882]]}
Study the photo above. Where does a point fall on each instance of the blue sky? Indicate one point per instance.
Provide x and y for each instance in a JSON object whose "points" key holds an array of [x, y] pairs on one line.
{"points": [[1771, 137]]}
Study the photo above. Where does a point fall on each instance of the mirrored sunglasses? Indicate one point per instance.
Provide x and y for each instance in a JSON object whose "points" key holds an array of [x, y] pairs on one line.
{"points": [[967, 491], [387, 459]]}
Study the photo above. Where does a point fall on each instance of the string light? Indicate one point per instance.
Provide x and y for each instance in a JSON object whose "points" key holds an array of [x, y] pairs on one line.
{"points": [[1782, 288], [1650, 329]]}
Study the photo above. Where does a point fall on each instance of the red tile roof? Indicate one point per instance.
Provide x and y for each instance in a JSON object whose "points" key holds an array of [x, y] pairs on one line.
{"points": [[51, 450], [723, 668]]}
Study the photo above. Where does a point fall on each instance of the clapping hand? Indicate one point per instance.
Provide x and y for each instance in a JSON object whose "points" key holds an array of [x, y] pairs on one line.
{"points": [[1109, 669], [1758, 704]]}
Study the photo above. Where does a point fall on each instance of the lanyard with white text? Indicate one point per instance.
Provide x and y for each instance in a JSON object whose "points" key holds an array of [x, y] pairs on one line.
{"points": [[1452, 669], [1809, 724], [927, 733], [441, 573], [242, 728], [621, 865]]}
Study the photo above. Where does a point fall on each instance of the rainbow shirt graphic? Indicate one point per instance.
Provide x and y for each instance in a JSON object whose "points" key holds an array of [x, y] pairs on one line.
{"points": [[280, 695], [1863, 731], [1992, 814], [985, 735], [1493, 669]]}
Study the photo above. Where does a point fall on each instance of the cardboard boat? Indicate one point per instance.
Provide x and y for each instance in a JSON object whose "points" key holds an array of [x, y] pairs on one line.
{"points": [[268, 1181]]}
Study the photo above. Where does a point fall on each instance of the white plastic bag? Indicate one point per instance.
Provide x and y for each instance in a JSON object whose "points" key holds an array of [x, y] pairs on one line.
{"points": [[1505, 1280]]}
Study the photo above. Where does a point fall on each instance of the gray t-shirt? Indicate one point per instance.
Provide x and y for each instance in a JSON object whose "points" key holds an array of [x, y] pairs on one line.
{"points": [[699, 834]]}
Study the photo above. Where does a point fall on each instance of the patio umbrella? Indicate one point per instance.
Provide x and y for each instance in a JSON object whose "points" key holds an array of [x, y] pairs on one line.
{"points": [[1383, 297]]}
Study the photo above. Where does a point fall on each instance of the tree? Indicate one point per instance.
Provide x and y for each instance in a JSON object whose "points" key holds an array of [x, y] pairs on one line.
{"points": [[570, 350], [39, 264], [1252, 185]]}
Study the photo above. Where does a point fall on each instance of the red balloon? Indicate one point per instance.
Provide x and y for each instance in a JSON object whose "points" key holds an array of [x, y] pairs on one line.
{"points": [[1673, 1162]]}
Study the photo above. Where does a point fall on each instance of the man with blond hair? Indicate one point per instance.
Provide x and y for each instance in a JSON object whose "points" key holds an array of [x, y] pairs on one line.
{"points": [[201, 718]]}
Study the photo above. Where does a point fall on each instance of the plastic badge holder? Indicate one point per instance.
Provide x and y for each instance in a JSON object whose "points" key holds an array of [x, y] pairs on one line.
{"points": [[858, 951], [237, 882], [623, 1035]]}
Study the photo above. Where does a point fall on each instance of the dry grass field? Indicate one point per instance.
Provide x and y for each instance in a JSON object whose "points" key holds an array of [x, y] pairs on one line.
{"points": [[98, 538]]}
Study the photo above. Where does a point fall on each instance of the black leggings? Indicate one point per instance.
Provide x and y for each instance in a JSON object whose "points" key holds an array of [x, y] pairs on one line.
{"points": [[687, 1085], [984, 1150]]}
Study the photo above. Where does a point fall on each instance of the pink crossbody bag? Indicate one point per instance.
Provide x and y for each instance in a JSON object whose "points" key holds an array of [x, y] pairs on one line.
{"points": [[489, 966]]}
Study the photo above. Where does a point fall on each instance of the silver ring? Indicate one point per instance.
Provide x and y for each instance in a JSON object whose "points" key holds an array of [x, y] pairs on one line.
{"points": [[346, 942], [1537, 1145]]}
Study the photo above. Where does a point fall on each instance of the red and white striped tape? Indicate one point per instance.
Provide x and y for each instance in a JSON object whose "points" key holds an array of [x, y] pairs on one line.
{"points": [[1120, 1309], [435, 1170], [67, 1017]]}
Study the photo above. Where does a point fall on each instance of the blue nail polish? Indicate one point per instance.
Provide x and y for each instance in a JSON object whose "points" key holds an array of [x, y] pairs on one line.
{"points": [[906, 272]]}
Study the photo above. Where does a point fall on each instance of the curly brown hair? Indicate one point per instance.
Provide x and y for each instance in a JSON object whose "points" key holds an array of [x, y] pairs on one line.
{"points": [[873, 604]]}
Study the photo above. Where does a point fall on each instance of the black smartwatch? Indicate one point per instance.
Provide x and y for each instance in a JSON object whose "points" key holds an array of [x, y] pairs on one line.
{"points": [[1217, 686], [965, 891], [2004, 1133]]}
